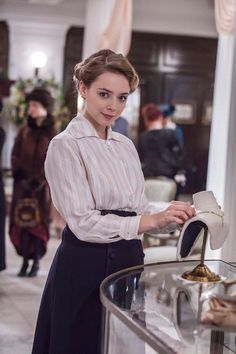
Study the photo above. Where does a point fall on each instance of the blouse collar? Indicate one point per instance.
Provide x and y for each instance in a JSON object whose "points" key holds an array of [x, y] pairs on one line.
{"points": [[80, 127]]}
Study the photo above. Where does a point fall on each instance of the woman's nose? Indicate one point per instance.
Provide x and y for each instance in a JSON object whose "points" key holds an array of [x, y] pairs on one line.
{"points": [[111, 105]]}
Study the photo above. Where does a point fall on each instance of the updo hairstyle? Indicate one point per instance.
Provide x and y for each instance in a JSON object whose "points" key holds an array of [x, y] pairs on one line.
{"points": [[101, 62]]}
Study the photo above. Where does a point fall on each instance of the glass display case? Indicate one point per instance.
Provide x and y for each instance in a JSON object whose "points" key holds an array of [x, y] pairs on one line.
{"points": [[151, 309]]}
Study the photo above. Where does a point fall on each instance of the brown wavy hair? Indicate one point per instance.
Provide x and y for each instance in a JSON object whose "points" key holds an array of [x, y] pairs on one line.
{"points": [[105, 61]]}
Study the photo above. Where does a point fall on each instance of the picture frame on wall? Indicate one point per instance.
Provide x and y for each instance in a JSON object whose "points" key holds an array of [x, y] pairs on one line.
{"points": [[185, 111], [207, 113]]}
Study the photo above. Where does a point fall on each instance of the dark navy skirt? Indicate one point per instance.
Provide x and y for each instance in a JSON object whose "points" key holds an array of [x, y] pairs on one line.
{"points": [[70, 314]]}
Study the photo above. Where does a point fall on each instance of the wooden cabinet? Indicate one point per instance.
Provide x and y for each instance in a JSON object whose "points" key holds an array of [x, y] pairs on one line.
{"points": [[4, 50], [180, 69]]}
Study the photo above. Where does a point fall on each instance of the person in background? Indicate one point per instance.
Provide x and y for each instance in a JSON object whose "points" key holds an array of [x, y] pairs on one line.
{"points": [[28, 155], [2, 201], [159, 150], [168, 110], [97, 185], [121, 126]]}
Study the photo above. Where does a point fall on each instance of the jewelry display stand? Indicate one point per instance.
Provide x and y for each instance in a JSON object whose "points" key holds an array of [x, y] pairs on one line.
{"points": [[201, 273], [207, 223]]}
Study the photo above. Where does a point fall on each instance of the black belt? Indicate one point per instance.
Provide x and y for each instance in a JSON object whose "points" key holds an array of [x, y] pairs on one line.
{"points": [[123, 213], [69, 237]]}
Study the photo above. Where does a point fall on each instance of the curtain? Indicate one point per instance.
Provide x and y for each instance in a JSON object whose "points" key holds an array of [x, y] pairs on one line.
{"points": [[108, 24], [225, 16], [117, 35]]}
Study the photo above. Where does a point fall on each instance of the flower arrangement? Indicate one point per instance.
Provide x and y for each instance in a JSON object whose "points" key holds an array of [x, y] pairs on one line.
{"points": [[18, 104]]}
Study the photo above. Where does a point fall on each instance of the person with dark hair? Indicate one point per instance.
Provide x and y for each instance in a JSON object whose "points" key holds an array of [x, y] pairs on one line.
{"points": [[159, 150], [30, 207], [2, 202], [97, 186]]}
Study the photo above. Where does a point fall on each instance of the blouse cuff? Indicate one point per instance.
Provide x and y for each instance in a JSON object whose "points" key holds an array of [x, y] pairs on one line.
{"points": [[129, 227]]}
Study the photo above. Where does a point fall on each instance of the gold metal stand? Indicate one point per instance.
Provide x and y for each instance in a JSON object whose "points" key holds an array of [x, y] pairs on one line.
{"points": [[201, 273]]}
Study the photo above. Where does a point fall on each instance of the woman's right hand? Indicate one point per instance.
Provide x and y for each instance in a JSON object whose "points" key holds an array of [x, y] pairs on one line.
{"points": [[177, 212]]}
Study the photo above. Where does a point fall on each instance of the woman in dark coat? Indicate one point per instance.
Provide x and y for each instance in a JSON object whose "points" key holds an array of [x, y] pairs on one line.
{"points": [[2, 204], [28, 155]]}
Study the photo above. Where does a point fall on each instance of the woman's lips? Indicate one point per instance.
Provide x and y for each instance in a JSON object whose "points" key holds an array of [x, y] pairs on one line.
{"points": [[107, 116]]}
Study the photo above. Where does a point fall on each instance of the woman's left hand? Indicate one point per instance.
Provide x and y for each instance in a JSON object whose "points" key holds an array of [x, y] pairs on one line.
{"points": [[177, 212]]}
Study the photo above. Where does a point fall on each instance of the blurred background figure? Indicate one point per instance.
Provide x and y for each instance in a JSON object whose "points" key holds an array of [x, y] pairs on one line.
{"points": [[168, 110], [159, 149], [30, 208], [2, 201], [168, 123], [121, 126]]}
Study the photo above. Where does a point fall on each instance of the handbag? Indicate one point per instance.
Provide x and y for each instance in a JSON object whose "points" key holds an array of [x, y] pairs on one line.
{"points": [[27, 213]]}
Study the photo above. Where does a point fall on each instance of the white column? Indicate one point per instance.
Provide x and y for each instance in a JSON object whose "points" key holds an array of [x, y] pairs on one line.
{"points": [[25, 38], [228, 251], [222, 165]]}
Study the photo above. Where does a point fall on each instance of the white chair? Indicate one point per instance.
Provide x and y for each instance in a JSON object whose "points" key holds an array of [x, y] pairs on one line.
{"points": [[160, 189]]}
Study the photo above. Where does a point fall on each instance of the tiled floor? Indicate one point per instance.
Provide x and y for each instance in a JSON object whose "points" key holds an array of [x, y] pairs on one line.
{"points": [[19, 301]]}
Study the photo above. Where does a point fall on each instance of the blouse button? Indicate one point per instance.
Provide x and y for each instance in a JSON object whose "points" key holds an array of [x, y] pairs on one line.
{"points": [[131, 198]]}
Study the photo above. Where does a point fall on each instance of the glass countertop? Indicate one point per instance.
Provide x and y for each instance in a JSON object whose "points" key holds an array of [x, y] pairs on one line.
{"points": [[164, 310]]}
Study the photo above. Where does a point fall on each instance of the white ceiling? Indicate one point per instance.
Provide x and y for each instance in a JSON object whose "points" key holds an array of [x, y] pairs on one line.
{"points": [[41, 2], [38, 2], [190, 17]]}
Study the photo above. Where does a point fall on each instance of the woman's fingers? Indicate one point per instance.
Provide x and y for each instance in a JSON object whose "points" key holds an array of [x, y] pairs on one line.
{"points": [[175, 216], [182, 207], [177, 212]]}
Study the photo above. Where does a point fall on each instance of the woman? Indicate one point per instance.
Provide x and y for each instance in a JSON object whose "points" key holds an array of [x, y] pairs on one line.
{"points": [[159, 150], [97, 186], [30, 186]]}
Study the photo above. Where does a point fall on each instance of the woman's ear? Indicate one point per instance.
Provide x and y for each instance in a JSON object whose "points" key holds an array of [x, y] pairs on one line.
{"points": [[82, 89]]}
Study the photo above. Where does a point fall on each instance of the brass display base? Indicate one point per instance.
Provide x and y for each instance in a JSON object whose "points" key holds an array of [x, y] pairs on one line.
{"points": [[201, 273]]}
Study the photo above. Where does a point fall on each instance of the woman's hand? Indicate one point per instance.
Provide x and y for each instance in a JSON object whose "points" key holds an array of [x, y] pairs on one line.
{"points": [[177, 212]]}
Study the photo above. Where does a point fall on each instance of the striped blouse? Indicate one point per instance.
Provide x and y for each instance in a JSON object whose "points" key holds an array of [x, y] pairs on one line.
{"points": [[87, 174]]}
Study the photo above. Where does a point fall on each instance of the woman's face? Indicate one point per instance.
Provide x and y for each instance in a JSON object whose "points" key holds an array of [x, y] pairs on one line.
{"points": [[105, 99], [36, 109]]}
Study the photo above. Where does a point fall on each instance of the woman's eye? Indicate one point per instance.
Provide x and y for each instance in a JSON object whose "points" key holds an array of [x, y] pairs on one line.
{"points": [[103, 94], [123, 98]]}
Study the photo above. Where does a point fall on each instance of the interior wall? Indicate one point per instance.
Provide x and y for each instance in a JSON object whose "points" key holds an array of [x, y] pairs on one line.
{"points": [[183, 17], [29, 37], [43, 27]]}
